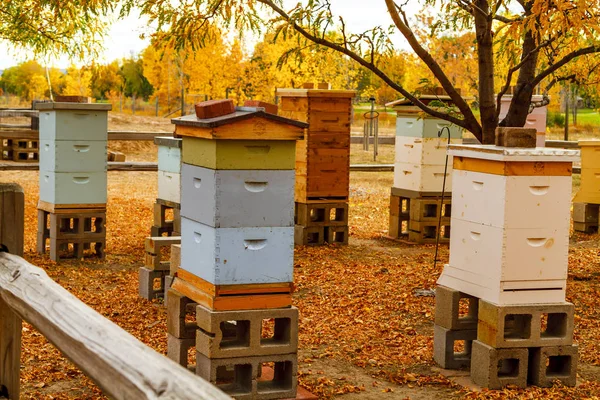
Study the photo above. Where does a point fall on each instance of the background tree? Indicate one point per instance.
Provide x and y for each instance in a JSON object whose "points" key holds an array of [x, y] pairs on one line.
{"points": [[135, 83], [536, 39]]}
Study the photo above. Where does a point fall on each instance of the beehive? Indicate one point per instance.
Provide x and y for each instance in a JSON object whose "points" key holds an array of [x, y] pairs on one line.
{"points": [[420, 151], [536, 119], [589, 190], [323, 156], [510, 223], [237, 225]]}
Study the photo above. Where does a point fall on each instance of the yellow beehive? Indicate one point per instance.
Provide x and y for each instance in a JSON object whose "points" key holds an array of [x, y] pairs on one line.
{"points": [[589, 190]]}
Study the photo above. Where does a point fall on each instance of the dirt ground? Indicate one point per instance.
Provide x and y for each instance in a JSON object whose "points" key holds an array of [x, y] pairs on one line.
{"points": [[365, 331]]}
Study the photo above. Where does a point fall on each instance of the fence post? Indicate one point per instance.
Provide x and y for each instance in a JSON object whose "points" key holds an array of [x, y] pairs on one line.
{"points": [[12, 225], [10, 351], [12, 217]]}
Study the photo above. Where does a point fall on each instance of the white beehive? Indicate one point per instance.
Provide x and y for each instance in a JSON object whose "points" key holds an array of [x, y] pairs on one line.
{"points": [[169, 186], [73, 187], [536, 119], [232, 256], [510, 223], [169, 154], [420, 152], [73, 121], [238, 198], [72, 156]]}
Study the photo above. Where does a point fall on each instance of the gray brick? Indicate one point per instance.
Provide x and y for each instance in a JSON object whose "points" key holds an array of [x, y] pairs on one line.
{"points": [[225, 334], [177, 349], [521, 325], [177, 306], [586, 213], [240, 377], [547, 364], [146, 283], [443, 347], [496, 368], [447, 302]]}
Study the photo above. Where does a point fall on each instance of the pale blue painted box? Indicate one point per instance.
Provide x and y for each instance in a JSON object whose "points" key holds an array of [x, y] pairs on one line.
{"points": [[231, 256], [169, 159], [73, 121], [72, 156], [73, 187], [238, 198], [415, 126]]}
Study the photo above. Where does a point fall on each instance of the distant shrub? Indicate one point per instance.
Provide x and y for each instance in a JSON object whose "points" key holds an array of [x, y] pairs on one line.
{"points": [[555, 119]]}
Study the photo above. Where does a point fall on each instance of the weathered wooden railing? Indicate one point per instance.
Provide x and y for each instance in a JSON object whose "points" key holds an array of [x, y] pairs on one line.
{"points": [[112, 135], [122, 366]]}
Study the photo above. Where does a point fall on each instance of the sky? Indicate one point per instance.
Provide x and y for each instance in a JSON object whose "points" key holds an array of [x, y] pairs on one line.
{"points": [[123, 38]]}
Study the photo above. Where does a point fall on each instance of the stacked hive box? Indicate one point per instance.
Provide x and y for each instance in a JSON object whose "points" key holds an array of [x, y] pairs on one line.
{"points": [[509, 248], [72, 203], [536, 119], [169, 187], [586, 204], [237, 252], [322, 163], [420, 162], [154, 277]]}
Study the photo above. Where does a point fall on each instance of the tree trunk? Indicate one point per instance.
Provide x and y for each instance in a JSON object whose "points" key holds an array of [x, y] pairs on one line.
{"points": [[519, 106], [485, 55]]}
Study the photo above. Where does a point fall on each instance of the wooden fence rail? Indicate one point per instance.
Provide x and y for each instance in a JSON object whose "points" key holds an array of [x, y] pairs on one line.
{"points": [[122, 366], [112, 135]]}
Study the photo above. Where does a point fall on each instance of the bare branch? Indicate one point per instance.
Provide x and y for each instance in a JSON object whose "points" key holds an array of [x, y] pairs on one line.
{"points": [[563, 61]]}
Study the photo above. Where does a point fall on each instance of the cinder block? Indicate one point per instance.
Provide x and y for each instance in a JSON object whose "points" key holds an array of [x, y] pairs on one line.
{"points": [[516, 137], [224, 334], [585, 227], [496, 368], [443, 347], [447, 313], [177, 349], [337, 234], [244, 384], [422, 210], [529, 325], [177, 307], [309, 235], [586, 213], [175, 259], [322, 214], [547, 364], [147, 289]]}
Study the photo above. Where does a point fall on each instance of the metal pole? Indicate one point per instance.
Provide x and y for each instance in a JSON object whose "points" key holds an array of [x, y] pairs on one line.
{"points": [[437, 236]]}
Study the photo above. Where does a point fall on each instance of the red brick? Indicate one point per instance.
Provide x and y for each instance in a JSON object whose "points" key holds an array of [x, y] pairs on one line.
{"points": [[270, 108], [214, 108], [72, 99]]}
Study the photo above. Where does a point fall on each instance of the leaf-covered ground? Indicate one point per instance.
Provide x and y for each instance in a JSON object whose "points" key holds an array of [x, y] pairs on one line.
{"points": [[364, 333]]}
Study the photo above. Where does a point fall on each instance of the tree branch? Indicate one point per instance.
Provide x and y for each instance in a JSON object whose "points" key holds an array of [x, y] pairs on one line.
{"points": [[466, 124], [563, 61]]}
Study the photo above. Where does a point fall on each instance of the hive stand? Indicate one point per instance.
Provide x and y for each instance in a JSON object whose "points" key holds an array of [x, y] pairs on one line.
{"points": [[236, 268], [71, 232], [587, 200], [20, 150], [415, 202], [322, 163]]}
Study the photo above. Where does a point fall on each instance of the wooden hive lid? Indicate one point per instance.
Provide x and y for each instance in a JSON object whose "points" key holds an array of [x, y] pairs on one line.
{"points": [[316, 93], [246, 123], [167, 141], [49, 106]]}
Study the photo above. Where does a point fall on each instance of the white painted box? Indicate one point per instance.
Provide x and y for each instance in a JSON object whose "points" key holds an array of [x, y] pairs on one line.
{"points": [[229, 256], [238, 198], [430, 151], [72, 156], [73, 187], [509, 254], [74, 125], [169, 186], [518, 202], [422, 178], [169, 159], [414, 126]]}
